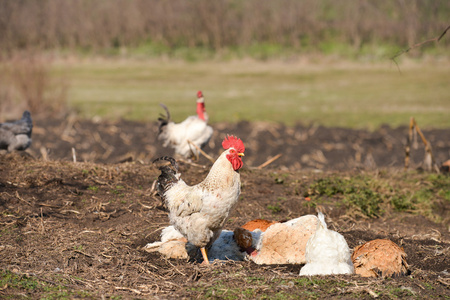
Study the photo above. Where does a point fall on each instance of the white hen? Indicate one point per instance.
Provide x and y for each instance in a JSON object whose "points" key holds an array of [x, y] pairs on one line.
{"points": [[192, 131], [327, 252]]}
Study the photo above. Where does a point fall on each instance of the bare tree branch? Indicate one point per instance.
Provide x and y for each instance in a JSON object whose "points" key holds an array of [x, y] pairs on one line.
{"points": [[436, 39]]}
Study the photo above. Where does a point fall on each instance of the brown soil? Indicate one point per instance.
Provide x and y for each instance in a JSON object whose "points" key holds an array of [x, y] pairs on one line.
{"points": [[80, 227], [301, 147]]}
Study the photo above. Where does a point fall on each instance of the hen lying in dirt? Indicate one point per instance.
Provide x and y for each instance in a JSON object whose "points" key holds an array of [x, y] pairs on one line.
{"points": [[379, 258], [267, 243], [16, 135], [188, 136], [199, 212], [278, 243], [327, 252]]}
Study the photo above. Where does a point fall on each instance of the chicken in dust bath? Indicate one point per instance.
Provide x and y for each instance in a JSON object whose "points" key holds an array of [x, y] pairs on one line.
{"points": [[379, 258], [244, 235], [279, 243], [327, 252], [258, 224], [283, 243]]}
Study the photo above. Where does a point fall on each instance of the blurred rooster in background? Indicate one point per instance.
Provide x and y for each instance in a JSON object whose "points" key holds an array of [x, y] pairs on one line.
{"points": [[16, 135], [183, 136], [199, 212]]}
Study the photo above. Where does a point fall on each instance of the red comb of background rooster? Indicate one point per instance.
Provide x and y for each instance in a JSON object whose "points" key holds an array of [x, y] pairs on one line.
{"points": [[232, 141], [199, 94]]}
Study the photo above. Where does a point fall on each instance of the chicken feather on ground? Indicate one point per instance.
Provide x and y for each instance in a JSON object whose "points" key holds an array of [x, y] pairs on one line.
{"points": [[199, 212], [16, 135], [327, 252], [183, 136]]}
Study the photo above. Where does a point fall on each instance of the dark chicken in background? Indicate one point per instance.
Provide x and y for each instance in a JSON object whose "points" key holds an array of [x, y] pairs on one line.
{"points": [[16, 135]]}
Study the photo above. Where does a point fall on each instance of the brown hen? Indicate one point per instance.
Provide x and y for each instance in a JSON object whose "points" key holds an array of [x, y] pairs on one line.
{"points": [[379, 258]]}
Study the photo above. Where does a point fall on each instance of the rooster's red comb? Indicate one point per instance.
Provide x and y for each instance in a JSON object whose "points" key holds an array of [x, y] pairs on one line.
{"points": [[232, 141], [199, 94]]}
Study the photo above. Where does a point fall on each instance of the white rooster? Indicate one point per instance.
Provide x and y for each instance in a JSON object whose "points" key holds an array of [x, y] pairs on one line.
{"points": [[183, 136], [200, 211], [327, 252]]}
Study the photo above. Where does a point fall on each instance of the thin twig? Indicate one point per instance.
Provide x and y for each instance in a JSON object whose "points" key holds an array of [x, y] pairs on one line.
{"points": [[85, 254], [436, 39], [443, 282], [191, 163], [175, 268], [202, 152], [48, 205], [429, 164], [269, 161], [21, 199], [44, 153], [128, 289], [74, 155], [42, 223], [70, 210]]}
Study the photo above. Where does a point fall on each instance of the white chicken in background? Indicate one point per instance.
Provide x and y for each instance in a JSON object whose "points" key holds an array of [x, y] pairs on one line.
{"points": [[327, 252], [199, 212], [183, 136]]}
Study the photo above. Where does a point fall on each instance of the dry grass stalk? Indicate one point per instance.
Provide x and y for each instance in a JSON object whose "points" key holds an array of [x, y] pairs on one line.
{"points": [[436, 39], [128, 289], [269, 161], [21, 199], [42, 228], [44, 153], [429, 162], [202, 152], [30, 75], [74, 155]]}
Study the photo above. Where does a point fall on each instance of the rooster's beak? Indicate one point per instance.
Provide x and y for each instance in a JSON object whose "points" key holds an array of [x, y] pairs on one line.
{"points": [[241, 154]]}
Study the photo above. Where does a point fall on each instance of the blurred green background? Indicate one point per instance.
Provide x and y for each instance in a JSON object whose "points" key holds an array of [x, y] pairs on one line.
{"points": [[313, 61]]}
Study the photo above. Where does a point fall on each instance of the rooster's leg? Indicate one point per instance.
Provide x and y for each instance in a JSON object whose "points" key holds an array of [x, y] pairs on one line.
{"points": [[205, 256]]}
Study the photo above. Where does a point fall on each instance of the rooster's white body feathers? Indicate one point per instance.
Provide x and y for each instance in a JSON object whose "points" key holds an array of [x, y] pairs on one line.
{"points": [[178, 135], [199, 212], [183, 136]]}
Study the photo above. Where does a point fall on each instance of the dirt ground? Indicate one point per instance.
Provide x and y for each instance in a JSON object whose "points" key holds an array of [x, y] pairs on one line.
{"points": [[77, 229], [301, 147]]}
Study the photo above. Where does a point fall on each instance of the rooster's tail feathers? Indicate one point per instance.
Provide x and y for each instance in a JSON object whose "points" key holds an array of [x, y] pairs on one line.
{"points": [[169, 173], [163, 119]]}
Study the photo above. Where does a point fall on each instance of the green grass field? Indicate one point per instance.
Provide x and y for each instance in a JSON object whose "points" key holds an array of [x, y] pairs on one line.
{"points": [[325, 92]]}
